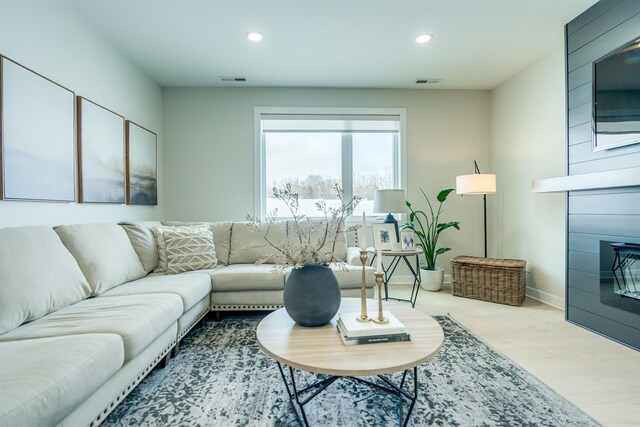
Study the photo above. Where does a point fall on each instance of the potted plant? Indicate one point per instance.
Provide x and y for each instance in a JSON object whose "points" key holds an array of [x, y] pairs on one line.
{"points": [[311, 293], [427, 227]]}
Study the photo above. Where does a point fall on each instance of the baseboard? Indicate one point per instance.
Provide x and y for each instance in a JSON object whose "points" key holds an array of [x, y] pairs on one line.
{"points": [[546, 298]]}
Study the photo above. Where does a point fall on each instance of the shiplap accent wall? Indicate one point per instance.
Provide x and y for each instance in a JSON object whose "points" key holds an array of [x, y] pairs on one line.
{"points": [[598, 214]]}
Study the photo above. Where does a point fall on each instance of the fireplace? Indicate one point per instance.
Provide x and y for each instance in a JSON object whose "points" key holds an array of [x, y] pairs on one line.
{"points": [[620, 275]]}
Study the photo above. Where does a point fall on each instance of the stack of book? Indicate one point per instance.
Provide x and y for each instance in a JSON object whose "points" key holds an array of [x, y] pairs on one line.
{"points": [[354, 332]]}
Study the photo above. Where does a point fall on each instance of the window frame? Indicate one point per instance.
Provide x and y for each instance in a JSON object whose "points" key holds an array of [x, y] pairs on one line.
{"points": [[259, 153]]}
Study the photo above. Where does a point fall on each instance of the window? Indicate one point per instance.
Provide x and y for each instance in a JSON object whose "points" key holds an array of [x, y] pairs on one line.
{"points": [[358, 149]]}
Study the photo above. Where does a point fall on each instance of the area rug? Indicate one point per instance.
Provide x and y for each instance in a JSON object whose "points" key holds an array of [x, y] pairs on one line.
{"points": [[220, 378]]}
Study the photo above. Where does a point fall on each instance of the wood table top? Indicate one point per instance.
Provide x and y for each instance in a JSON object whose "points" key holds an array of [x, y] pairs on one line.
{"points": [[321, 350], [389, 252]]}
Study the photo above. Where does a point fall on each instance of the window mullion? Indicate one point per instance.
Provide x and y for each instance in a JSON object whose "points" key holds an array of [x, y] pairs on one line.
{"points": [[347, 166]]}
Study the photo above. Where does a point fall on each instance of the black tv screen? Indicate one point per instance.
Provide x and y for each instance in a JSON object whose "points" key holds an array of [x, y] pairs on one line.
{"points": [[616, 97]]}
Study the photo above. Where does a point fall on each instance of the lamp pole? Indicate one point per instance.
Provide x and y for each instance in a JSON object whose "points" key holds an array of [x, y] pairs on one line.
{"points": [[484, 200]]}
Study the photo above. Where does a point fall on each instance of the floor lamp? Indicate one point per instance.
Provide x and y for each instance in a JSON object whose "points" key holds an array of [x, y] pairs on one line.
{"points": [[477, 183]]}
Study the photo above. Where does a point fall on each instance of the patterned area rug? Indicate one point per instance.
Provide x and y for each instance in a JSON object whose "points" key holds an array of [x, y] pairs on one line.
{"points": [[220, 378]]}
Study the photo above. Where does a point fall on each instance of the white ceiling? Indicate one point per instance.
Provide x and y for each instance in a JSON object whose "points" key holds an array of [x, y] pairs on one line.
{"points": [[477, 44]]}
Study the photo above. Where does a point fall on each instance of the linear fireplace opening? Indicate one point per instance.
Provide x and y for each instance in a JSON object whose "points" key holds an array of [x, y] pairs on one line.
{"points": [[620, 275]]}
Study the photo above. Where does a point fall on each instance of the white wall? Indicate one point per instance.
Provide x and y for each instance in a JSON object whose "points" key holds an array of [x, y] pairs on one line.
{"points": [[528, 136], [209, 148], [52, 39]]}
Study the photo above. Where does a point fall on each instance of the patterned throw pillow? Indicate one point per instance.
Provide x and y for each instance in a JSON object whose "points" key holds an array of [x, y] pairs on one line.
{"points": [[158, 233], [189, 250]]}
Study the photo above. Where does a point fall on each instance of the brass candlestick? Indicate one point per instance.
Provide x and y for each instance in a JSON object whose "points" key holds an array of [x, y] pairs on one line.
{"points": [[380, 318], [363, 291]]}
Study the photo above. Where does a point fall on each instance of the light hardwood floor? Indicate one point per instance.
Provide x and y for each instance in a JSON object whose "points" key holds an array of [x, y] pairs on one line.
{"points": [[598, 375]]}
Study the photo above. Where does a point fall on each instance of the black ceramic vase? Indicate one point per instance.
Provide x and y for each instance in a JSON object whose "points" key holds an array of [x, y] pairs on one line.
{"points": [[312, 295]]}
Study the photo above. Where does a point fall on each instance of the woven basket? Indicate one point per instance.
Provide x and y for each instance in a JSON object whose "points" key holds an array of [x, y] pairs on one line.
{"points": [[489, 279]]}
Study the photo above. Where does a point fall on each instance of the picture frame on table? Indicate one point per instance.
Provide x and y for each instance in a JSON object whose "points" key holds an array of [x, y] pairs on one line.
{"points": [[384, 235], [37, 136], [408, 240]]}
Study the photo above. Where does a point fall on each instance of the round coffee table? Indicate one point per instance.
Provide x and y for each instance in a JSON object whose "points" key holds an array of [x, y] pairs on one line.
{"points": [[320, 350]]}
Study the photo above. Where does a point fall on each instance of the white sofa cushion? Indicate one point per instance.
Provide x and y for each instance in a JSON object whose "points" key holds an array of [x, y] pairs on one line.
{"points": [[143, 241], [38, 275], [189, 249], [158, 233], [248, 245], [242, 277], [340, 250], [42, 380], [191, 287], [138, 319], [104, 252], [221, 237], [350, 276]]}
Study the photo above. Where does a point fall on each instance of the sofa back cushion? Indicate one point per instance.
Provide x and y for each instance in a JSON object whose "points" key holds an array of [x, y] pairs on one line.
{"points": [[248, 245], [340, 251], [38, 275], [104, 252], [143, 241], [221, 237]]}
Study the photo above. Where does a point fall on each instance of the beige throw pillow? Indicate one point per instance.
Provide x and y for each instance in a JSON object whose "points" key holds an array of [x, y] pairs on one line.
{"points": [[158, 233], [189, 249]]}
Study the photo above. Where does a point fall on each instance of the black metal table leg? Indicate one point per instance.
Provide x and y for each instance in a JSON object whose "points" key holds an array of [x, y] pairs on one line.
{"points": [[298, 402]]}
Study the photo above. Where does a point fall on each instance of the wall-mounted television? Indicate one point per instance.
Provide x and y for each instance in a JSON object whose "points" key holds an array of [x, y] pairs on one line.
{"points": [[616, 98]]}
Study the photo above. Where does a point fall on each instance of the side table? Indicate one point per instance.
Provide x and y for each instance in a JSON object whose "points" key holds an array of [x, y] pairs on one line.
{"points": [[391, 268]]}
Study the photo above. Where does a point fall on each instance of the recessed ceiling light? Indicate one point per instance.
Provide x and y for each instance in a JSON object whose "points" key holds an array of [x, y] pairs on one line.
{"points": [[254, 36], [424, 38]]}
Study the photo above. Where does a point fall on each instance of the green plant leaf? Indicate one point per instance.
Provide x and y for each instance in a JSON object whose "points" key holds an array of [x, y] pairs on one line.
{"points": [[442, 250], [408, 203], [444, 226], [442, 195]]}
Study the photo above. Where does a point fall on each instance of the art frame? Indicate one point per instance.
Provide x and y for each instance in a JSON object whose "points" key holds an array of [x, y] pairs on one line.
{"points": [[408, 240], [101, 154], [142, 165], [37, 136], [384, 235]]}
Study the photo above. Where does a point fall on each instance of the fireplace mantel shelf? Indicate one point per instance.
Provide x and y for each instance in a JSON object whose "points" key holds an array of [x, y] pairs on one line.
{"points": [[629, 177]]}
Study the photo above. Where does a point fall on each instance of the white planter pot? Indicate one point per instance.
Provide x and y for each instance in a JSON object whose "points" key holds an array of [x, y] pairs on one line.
{"points": [[431, 280]]}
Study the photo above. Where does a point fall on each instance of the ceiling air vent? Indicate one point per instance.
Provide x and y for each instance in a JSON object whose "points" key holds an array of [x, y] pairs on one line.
{"points": [[233, 78], [424, 81]]}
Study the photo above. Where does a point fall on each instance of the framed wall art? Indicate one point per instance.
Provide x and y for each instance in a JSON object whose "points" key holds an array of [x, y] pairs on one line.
{"points": [[142, 165], [384, 235], [36, 137], [101, 165]]}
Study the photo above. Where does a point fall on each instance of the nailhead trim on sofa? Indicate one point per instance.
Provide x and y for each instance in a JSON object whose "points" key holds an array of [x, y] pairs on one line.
{"points": [[131, 386], [246, 307]]}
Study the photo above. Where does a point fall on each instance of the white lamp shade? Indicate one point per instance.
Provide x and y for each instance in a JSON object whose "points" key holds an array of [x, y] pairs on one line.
{"points": [[477, 183], [389, 201]]}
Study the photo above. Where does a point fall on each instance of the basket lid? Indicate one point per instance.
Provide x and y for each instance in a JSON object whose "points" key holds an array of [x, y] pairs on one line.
{"points": [[489, 262]]}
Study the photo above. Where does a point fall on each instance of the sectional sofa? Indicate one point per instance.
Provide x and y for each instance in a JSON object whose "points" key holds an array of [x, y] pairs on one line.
{"points": [[85, 313]]}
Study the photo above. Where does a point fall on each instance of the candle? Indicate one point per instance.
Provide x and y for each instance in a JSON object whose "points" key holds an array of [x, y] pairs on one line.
{"points": [[379, 264], [363, 233]]}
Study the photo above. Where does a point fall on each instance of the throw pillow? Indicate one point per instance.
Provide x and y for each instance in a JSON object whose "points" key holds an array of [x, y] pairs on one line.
{"points": [[190, 249], [158, 233]]}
